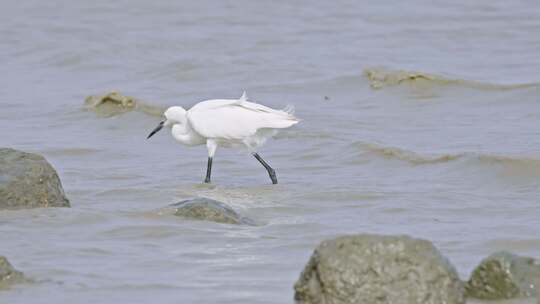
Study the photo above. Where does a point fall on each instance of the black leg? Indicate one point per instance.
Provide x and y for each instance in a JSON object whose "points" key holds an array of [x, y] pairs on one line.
{"points": [[208, 171], [271, 171]]}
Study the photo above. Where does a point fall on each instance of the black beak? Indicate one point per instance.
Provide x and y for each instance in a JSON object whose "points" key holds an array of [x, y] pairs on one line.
{"points": [[156, 129]]}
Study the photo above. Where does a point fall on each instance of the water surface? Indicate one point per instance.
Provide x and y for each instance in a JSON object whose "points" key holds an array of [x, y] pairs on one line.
{"points": [[455, 159]]}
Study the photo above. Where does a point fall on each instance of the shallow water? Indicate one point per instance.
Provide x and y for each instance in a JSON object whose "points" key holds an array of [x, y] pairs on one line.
{"points": [[455, 159]]}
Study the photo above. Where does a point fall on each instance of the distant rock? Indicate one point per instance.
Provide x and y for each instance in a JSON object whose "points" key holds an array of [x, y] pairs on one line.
{"points": [[504, 275], [114, 103], [27, 180], [206, 209], [8, 274], [378, 269]]}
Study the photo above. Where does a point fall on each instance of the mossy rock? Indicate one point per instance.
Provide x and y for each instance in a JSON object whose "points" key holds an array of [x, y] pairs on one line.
{"points": [[8, 274], [504, 275], [27, 180], [378, 269]]}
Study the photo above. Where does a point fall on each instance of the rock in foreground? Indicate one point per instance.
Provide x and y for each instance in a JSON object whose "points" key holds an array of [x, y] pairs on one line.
{"points": [[378, 269], [27, 180], [504, 275], [206, 209], [8, 274]]}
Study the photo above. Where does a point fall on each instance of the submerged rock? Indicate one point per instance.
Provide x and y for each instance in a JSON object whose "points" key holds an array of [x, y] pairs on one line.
{"points": [[27, 180], [110, 104], [114, 103], [380, 77], [504, 275], [206, 209], [378, 269], [8, 274]]}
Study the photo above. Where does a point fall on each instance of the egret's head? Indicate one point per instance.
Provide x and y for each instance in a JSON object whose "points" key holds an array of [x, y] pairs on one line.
{"points": [[173, 115]]}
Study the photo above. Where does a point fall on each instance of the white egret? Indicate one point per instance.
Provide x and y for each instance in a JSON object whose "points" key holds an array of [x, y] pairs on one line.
{"points": [[227, 123]]}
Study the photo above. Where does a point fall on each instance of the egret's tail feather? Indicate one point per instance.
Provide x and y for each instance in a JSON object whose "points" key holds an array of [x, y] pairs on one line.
{"points": [[289, 109]]}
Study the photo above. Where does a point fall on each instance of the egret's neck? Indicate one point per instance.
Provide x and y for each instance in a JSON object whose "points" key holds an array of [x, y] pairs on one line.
{"points": [[184, 134]]}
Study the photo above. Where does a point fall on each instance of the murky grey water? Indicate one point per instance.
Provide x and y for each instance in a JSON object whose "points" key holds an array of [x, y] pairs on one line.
{"points": [[447, 160]]}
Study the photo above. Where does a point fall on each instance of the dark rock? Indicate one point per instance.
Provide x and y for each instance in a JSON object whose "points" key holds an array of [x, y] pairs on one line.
{"points": [[378, 269], [27, 180], [8, 274], [504, 275], [209, 210]]}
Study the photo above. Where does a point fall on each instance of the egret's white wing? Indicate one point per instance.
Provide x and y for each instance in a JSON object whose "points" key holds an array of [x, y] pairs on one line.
{"points": [[212, 104], [235, 119], [216, 103]]}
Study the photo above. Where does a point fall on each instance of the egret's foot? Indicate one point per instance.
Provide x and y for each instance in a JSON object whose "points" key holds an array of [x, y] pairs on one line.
{"points": [[207, 180], [270, 170], [273, 176]]}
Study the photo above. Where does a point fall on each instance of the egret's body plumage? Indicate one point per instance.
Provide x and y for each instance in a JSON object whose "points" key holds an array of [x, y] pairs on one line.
{"points": [[227, 123]]}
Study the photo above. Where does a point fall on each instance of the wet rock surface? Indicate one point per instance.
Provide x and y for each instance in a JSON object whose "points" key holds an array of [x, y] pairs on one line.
{"points": [[504, 275], [378, 269], [8, 274], [206, 209], [27, 180], [114, 103]]}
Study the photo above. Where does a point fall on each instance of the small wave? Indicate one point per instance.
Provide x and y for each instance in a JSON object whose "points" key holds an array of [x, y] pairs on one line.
{"points": [[150, 109], [408, 156], [525, 162], [380, 77], [423, 159]]}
